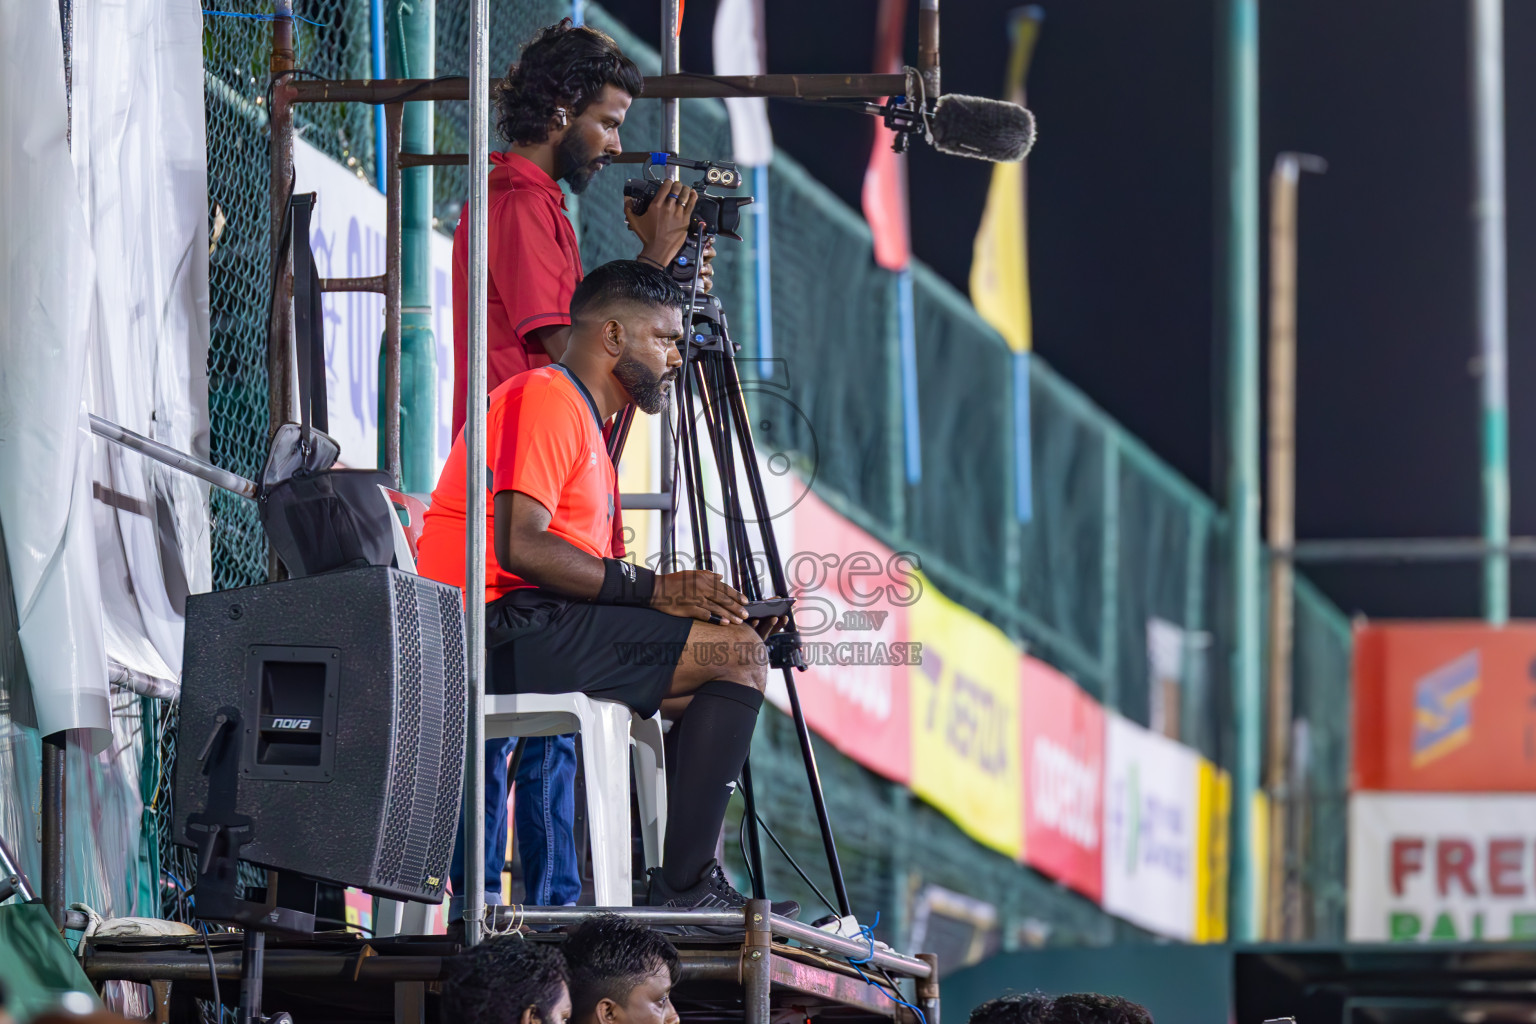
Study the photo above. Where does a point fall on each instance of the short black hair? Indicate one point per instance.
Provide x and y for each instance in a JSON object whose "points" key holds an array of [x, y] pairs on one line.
{"points": [[626, 281], [495, 981], [565, 65], [1092, 1008], [609, 955], [1014, 1008]]}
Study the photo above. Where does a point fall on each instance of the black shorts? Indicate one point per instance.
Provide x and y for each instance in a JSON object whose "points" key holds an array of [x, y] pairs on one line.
{"points": [[539, 642]]}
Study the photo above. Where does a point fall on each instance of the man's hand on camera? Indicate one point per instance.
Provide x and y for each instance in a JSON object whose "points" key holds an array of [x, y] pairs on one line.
{"points": [[707, 274], [697, 594], [767, 627], [663, 228]]}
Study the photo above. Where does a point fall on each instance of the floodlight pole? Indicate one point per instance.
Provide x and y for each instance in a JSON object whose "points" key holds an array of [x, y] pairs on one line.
{"points": [[1486, 68], [474, 442]]}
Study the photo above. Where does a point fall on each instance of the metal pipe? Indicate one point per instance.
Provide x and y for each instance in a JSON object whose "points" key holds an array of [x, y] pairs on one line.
{"points": [[671, 139], [54, 805], [1408, 550], [168, 456], [1238, 220], [474, 555], [839, 946], [280, 330], [279, 964], [67, 38], [144, 685], [1486, 63], [928, 989], [756, 958], [378, 283], [380, 142], [928, 47], [253, 948], [1281, 509], [10, 869], [389, 397], [666, 87]]}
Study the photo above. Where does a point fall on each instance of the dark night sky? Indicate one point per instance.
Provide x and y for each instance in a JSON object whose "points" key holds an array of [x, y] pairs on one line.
{"points": [[1121, 209]]}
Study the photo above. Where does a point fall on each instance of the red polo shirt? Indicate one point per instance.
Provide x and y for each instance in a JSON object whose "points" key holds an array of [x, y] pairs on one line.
{"points": [[533, 266]]}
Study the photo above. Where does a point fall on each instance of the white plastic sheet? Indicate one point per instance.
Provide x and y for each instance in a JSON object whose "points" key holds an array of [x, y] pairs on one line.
{"points": [[47, 275]]}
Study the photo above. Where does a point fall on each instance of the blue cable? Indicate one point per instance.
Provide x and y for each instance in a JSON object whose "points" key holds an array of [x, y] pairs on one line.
{"points": [[262, 17], [867, 933]]}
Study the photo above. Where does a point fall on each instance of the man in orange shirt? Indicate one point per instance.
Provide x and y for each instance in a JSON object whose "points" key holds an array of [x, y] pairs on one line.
{"points": [[562, 614]]}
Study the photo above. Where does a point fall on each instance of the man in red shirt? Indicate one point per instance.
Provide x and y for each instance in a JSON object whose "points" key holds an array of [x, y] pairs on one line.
{"points": [[562, 614], [560, 108]]}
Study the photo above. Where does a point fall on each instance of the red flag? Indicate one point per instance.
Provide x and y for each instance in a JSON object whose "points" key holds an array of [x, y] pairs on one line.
{"points": [[885, 181]]}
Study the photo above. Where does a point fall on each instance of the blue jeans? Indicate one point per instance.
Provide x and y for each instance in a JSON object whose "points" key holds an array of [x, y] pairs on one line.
{"points": [[546, 811]]}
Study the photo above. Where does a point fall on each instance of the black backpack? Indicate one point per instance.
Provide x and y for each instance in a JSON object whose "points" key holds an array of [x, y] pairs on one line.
{"points": [[316, 518]]}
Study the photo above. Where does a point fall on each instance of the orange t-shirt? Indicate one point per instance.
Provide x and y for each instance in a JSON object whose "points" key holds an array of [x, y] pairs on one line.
{"points": [[543, 438]]}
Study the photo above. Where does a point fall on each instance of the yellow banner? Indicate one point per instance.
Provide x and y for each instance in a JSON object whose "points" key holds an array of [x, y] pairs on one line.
{"points": [[1212, 855], [965, 721]]}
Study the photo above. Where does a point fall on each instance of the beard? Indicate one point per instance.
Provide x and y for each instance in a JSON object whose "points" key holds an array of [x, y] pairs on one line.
{"points": [[577, 165], [646, 389]]}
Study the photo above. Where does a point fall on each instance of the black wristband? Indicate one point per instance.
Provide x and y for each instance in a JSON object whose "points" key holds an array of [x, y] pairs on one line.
{"points": [[626, 583]]}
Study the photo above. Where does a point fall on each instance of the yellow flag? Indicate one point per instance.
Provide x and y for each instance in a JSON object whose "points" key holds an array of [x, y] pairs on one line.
{"points": [[1000, 260]]}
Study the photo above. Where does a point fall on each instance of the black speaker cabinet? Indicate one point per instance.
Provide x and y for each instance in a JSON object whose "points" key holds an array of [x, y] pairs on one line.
{"points": [[351, 694]]}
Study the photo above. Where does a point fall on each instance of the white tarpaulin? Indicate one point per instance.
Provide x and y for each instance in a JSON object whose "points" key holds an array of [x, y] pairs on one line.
{"points": [[1451, 867], [740, 50], [141, 158], [47, 278]]}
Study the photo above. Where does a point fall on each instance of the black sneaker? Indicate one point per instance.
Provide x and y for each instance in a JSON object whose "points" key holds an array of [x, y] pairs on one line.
{"points": [[711, 892]]}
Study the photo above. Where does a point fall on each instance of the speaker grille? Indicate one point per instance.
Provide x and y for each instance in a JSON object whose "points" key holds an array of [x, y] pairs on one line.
{"points": [[445, 819], [394, 842]]}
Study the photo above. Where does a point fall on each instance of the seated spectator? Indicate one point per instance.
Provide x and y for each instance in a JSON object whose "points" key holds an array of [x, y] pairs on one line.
{"points": [[1014, 1008], [621, 973], [507, 980], [1092, 1008]]}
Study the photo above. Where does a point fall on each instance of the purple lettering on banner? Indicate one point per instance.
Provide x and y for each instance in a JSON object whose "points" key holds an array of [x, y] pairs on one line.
{"points": [[357, 381], [444, 339]]}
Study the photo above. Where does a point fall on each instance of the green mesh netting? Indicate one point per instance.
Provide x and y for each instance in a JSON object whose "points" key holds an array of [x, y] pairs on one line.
{"points": [[1116, 539]]}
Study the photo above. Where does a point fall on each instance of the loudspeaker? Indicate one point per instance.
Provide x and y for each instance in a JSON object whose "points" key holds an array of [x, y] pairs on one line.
{"points": [[350, 692]]}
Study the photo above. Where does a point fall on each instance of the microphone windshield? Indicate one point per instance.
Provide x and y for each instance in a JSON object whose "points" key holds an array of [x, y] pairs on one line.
{"points": [[982, 129]]}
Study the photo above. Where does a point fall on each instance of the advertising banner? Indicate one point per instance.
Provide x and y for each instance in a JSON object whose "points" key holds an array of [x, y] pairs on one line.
{"points": [[1212, 856], [853, 596], [1151, 829], [1445, 707], [965, 715], [1441, 867], [1062, 749], [347, 235]]}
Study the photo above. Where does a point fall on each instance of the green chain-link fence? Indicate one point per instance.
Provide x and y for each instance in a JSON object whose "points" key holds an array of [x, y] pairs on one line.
{"points": [[1117, 540]]}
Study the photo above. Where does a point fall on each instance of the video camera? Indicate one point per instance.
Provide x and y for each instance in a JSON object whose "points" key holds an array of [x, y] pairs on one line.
{"points": [[712, 215]]}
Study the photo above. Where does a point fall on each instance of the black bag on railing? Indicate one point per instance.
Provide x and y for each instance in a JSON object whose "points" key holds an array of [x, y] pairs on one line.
{"points": [[317, 518]]}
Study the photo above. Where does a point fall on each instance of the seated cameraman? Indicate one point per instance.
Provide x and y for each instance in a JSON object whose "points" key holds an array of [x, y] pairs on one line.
{"points": [[565, 616], [559, 109]]}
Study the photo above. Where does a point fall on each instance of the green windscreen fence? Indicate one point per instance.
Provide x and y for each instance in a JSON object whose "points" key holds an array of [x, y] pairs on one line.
{"points": [[1118, 549]]}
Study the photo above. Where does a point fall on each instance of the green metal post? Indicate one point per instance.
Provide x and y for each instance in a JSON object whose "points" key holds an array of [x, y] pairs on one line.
{"points": [[1486, 60], [410, 53], [1238, 280]]}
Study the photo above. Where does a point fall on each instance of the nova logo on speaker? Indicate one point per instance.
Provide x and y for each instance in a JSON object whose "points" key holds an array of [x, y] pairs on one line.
{"points": [[297, 724]]}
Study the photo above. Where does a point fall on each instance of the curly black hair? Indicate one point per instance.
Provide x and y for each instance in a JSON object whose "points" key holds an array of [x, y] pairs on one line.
{"points": [[1014, 1008], [627, 281], [494, 982], [609, 955], [1092, 1008], [565, 65]]}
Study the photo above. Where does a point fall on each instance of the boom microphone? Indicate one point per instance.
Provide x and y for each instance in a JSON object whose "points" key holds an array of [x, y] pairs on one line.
{"points": [[982, 129]]}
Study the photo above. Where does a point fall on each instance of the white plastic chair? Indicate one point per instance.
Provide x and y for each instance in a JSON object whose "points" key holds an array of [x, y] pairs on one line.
{"points": [[611, 736]]}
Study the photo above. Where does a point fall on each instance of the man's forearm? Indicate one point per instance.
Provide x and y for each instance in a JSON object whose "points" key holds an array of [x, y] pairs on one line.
{"points": [[554, 564]]}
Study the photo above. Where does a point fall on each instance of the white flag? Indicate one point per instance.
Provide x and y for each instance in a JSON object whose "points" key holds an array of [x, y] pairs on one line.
{"points": [[740, 50]]}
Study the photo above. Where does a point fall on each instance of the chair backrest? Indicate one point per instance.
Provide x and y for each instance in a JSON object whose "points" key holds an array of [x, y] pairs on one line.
{"points": [[408, 532]]}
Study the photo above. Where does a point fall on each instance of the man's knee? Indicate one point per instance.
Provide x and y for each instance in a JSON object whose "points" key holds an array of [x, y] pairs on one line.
{"points": [[751, 658]]}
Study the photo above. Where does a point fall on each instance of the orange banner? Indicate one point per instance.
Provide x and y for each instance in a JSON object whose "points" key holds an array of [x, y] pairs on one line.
{"points": [[1445, 707]]}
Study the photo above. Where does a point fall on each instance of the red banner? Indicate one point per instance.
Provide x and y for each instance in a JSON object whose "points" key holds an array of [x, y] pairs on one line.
{"points": [[852, 598], [1063, 755], [1445, 707]]}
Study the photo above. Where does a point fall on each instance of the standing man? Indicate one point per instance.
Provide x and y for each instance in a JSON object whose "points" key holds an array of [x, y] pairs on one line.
{"points": [[560, 108]]}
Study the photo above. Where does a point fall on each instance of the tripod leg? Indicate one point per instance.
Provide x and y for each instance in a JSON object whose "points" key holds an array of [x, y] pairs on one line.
{"points": [[754, 841], [818, 798], [253, 955]]}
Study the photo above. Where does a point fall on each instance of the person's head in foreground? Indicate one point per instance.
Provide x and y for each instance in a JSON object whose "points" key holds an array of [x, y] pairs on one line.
{"points": [[569, 91], [507, 980], [1092, 1008], [1014, 1008], [621, 973], [626, 321]]}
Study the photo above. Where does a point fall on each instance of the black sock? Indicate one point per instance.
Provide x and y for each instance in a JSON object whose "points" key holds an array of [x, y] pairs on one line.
{"points": [[716, 733]]}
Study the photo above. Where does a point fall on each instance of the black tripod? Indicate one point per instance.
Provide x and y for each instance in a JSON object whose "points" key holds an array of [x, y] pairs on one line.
{"points": [[713, 422]]}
